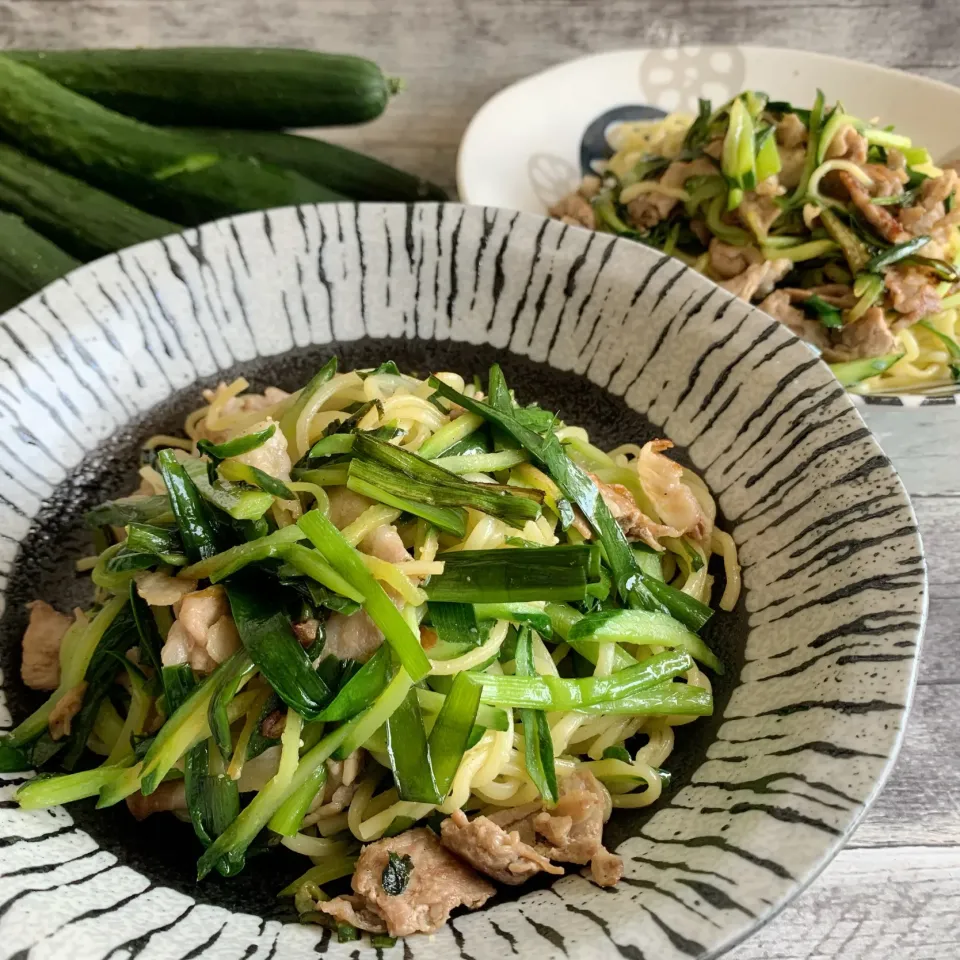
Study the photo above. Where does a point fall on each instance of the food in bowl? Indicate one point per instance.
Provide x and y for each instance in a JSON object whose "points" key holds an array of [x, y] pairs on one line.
{"points": [[409, 613], [838, 227]]}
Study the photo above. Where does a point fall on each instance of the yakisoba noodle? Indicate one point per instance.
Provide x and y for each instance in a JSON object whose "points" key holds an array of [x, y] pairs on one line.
{"points": [[838, 227], [607, 706]]}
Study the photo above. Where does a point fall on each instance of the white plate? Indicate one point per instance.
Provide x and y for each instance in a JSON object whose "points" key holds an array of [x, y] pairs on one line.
{"points": [[522, 148], [529, 145]]}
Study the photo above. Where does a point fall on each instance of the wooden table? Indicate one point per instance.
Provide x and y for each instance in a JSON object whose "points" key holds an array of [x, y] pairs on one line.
{"points": [[894, 892]]}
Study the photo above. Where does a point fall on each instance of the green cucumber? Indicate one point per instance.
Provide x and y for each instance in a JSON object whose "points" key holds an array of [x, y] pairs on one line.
{"points": [[28, 261], [346, 171], [159, 171], [83, 220], [223, 86], [852, 372]]}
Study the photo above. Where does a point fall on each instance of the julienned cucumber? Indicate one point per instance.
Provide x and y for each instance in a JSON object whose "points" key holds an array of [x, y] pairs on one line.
{"points": [[350, 173], [223, 86], [28, 261], [83, 220], [852, 372], [163, 172]]}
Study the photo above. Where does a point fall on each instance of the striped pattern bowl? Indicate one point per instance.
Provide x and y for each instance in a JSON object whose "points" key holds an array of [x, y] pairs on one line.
{"points": [[821, 652]]}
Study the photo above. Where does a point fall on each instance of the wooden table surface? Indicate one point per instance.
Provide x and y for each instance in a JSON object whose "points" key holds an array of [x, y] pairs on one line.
{"points": [[894, 891]]}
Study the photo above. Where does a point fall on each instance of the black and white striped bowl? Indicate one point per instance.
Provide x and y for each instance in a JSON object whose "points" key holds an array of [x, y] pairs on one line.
{"points": [[822, 650]]}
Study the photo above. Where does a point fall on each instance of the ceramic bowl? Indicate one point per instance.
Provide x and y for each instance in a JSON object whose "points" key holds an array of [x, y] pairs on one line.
{"points": [[530, 144], [821, 651]]}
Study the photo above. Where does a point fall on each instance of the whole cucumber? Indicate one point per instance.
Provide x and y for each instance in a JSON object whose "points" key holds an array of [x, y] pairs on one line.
{"points": [[339, 168], [166, 173], [28, 261], [83, 220], [246, 87]]}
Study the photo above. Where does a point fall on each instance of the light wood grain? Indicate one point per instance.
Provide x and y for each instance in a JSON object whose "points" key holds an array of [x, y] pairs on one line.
{"points": [[895, 890]]}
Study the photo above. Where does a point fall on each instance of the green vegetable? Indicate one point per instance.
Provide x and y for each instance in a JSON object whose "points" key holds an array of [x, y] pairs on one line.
{"points": [[945, 271], [28, 261], [698, 132], [238, 446], [669, 699], [347, 562], [396, 874], [408, 752], [642, 627], [264, 628], [510, 576], [51, 790], [826, 313], [352, 174], [768, 157], [84, 221], [217, 716], [425, 481], [286, 821], [335, 445], [831, 127], [159, 171], [576, 487], [119, 513], [163, 542], [451, 731], [814, 128], [532, 614], [853, 372], [224, 564], [311, 563], [361, 689], [537, 739], [456, 623], [556, 693], [253, 87], [854, 249], [894, 254], [239, 502], [738, 161], [245, 473], [385, 486], [196, 528]]}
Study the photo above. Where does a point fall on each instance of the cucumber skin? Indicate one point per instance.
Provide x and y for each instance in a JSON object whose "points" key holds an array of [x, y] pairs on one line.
{"points": [[84, 221], [28, 261], [263, 88], [354, 174], [132, 160]]}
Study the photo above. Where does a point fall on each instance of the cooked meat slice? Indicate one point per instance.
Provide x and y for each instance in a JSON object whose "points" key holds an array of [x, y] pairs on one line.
{"points": [[779, 307], [204, 633], [930, 208], [791, 131], [887, 182], [273, 723], [575, 210], [839, 295], [306, 631], [758, 212], [352, 637], [437, 883], [385, 543], [870, 336], [770, 187], [170, 795], [727, 261], [64, 710], [346, 506], [632, 520], [491, 850], [662, 481], [590, 186], [270, 457], [40, 663], [847, 144], [649, 209], [605, 870], [246, 403], [162, 590], [353, 909], [759, 279], [572, 831], [877, 216], [913, 293]]}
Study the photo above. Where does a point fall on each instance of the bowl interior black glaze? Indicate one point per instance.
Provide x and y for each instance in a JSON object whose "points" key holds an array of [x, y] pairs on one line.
{"points": [[164, 849]]}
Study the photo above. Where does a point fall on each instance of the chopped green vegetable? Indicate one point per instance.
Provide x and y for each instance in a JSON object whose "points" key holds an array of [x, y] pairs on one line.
{"points": [[537, 739], [826, 313], [238, 446], [853, 372], [396, 874]]}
